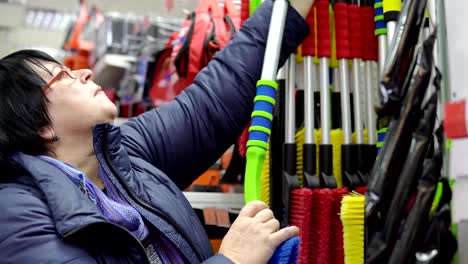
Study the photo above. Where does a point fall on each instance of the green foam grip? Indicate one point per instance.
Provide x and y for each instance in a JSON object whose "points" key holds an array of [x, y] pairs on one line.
{"points": [[262, 114], [255, 158], [265, 98], [261, 129], [268, 83], [256, 148], [381, 31]]}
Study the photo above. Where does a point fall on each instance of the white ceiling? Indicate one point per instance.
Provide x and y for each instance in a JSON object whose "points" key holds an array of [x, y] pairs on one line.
{"points": [[16, 35]]}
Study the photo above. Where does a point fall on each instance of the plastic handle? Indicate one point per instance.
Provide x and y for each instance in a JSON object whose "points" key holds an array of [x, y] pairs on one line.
{"points": [[327, 179], [380, 26], [259, 132], [323, 29], [342, 31], [311, 180], [391, 9], [254, 4], [370, 51], [308, 46], [355, 31], [348, 166]]}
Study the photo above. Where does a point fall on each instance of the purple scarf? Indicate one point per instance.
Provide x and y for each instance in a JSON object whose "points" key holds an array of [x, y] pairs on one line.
{"points": [[117, 210], [113, 207]]}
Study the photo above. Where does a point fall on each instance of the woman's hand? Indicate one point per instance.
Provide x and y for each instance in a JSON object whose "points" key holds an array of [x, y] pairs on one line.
{"points": [[254, 236], [302, 6]]}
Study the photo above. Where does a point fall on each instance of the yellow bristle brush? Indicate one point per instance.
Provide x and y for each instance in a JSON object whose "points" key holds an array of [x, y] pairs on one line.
{"points": [[299, 137], [352, 217]]}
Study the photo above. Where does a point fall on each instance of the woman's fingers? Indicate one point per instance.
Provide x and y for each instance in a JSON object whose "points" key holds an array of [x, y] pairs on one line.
{"points": [[283, 234], [273, 225], [264, 216], [251, 209]]}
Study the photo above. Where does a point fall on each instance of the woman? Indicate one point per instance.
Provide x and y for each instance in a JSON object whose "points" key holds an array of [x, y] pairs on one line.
{"points": [[76, 189]]}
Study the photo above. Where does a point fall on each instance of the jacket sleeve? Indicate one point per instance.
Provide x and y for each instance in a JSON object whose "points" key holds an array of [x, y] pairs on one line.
{"points": [[28, 235], [183, 138]]}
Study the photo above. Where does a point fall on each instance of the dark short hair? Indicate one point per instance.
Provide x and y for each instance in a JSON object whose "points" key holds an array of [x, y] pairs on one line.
{"points": [[23, 106]]}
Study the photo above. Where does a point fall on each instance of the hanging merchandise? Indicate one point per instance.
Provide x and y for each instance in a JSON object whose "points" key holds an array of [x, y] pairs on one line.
{"points": [[399, 58], [262, 116], [348, 154], [309, 148], [245, 11], [391, 13], [352, 217], [439, 245], [381, 33], [290, 180], [415, 227], [323, 53], [296, 201], [380, 246], [162, 82], [80, 56], [387, 170], [204, 33], [275, 178], [191, 48], [369, 56]]}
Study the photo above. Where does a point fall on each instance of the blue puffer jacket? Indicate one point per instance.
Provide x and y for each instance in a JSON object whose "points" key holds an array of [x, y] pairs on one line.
{"points": [[44, 218]]}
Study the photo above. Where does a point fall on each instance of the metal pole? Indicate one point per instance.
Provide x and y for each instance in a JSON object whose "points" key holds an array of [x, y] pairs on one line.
{"points": [[345, 102], [310, 79], [371, 119], [391, 27], [382, 54], [357, 102], [324, 101], [290, 111], [275, 37]]}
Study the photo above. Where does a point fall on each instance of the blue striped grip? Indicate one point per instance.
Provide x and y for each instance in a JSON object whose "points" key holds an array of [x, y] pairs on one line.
{"points": [[262, 115], [380, 26]]}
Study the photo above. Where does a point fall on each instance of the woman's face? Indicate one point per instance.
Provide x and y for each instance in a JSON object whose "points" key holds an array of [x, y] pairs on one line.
{"points": [[76, 102]]}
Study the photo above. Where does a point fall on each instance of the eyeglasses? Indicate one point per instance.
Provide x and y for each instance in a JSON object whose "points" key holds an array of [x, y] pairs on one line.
{"points": [[64, 70]]}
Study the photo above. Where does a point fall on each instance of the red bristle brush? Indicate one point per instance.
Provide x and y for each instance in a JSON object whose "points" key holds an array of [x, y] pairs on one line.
{"points": [[337, 248], [321, 219]]}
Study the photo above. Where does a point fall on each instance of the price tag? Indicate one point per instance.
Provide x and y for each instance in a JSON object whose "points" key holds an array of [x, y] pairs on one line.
{"points": [[209, 215], [222, 215]]}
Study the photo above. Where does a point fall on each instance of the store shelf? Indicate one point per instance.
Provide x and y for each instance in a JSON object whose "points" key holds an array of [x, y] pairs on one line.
{"points": [[231, 201], [110, 69]]}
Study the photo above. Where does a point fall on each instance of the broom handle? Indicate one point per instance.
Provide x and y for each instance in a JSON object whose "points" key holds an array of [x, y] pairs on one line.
{"points": [[324, 53], [355, 37], [348, 150], [370, 55], [391, 10], [264, 103], [290, 110], [290, 180], [342, 55], [310, 76]]}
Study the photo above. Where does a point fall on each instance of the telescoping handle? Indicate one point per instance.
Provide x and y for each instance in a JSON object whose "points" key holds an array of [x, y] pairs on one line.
{"points": [[323, 53], [264, 102], [311, 180]]}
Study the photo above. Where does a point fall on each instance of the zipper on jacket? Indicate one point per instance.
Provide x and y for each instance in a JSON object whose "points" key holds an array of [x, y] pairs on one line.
{"points": [[141, 248], [142, 203]]}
